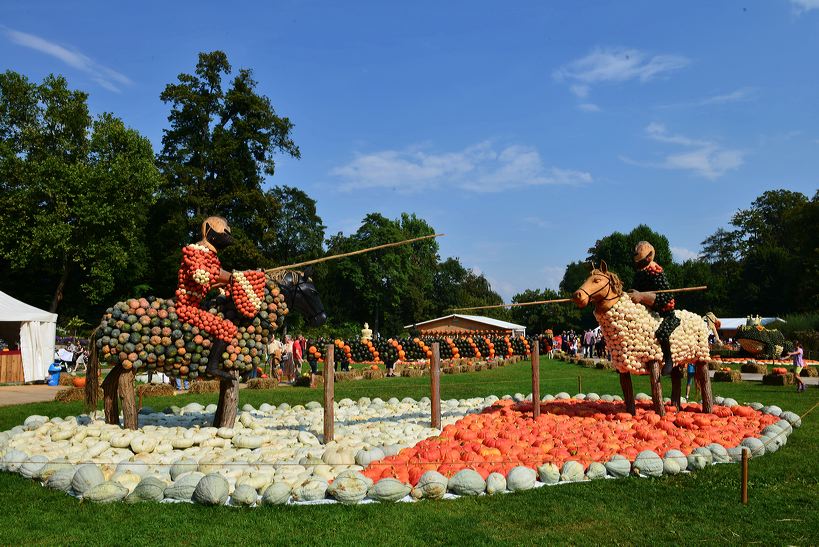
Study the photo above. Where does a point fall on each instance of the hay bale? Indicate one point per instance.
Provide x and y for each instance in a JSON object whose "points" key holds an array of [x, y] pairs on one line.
{"points": [[66, 379], [714, 365], [727, 376], [204, 386], [372, 374], [754, 368], [479, 367], [809, 372], [778, 379], [343, 376], [412, 373], [451, 370], [73, 394], [467, 368], [155, 390], [262, 383], [587, 363]]}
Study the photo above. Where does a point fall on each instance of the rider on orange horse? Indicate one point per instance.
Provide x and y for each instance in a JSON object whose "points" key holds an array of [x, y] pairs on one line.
{"points": [[650, 278], [200, 272]]}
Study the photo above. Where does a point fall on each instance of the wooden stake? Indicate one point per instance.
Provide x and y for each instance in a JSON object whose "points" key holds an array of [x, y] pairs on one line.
{"points": [[352, 253], [536, 380], [435, 386], [744, 478], [560, 300], [329, 385], [656, 388], [579, 383], [628, 392]]}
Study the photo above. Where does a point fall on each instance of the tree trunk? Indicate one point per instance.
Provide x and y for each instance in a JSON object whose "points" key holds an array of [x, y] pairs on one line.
{"points": [[628, 392], [656, 388], [228, 404], [704, 382], [110, 390], [58, 294], [129, 406], [676, 387]]}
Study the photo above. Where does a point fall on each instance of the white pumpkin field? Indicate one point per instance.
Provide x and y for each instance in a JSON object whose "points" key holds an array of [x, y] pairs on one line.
{"points": [[276, 455]]}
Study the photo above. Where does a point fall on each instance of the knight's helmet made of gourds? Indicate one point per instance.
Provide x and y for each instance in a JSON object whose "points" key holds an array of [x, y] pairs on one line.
{"points": [[215, 230], [643, 253]]}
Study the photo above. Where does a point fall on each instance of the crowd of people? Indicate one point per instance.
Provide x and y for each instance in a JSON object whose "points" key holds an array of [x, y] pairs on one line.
{"points": [[589, 343]]}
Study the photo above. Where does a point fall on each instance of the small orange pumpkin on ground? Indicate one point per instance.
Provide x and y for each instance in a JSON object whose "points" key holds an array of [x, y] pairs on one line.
{"points": [[78, 381]]}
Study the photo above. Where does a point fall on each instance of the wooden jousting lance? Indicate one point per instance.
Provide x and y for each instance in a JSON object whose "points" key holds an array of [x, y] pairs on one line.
{"points": [[352, 253], [559, 300]]}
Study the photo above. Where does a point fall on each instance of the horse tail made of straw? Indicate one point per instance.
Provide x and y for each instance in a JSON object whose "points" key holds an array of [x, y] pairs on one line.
{"points": [[92, 379]]}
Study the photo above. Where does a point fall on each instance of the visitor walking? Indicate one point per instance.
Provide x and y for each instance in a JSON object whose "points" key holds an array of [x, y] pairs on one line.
{"points": [[287, 359], [689, 379], [298, 361], [798, 364]]}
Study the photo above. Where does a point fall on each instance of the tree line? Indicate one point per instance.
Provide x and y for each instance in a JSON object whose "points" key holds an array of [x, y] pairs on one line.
{"points": [[91, 214]]}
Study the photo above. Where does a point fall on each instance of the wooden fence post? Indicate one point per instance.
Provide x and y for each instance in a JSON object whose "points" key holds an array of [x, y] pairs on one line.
{"points": [[536, 380], [329, 385], [435, 384], [744, 477]]}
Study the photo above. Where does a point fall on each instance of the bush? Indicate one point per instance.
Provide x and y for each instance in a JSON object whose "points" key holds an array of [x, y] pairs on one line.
{"points": [[155, 390], [262, 383]]}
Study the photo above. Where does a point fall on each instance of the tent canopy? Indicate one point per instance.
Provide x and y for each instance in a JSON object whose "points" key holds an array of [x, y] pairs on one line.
{"points": [[37, 335], [12, 309]]}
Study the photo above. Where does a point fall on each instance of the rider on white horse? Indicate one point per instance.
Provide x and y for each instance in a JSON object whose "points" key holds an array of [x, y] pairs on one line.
{"points": [[650, 278]]}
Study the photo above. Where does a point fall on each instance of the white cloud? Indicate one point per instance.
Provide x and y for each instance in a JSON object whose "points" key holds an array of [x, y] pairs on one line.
{"points": [[580, 90], [108, 78], [536, 221], [705, 158], [739, 95], [616, 64], [681, 254], [477, 168], [588, 107], [805, 5]]}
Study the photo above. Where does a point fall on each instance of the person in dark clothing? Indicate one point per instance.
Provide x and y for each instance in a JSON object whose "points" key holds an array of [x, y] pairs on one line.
{"points": [[649, 278]]}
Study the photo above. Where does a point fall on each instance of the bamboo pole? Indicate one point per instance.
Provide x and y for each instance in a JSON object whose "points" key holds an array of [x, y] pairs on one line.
{"points": [[351, 253], [743, 489], [560, 300]]}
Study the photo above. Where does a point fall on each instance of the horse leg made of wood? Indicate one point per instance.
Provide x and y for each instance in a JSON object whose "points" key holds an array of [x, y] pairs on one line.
{"points": [[227, 407], [628, 392], [130, 412], [676, 387], [110, 391], [704, 381], [656, 388]]}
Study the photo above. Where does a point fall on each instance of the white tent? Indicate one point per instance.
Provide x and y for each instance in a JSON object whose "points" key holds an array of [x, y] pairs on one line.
{"points": [[38, 330]]}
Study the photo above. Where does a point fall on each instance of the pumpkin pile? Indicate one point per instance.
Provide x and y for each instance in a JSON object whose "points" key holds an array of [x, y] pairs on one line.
{"points": [[505, 436], [147, 334]]}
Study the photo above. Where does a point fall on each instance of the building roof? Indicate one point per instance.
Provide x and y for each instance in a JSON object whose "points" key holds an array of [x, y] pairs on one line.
{"points": [[733, 323], [497, 323]]}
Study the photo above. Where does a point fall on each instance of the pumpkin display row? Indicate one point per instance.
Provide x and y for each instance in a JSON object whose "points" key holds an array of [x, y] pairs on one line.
{"points": [[384, 450], [147, 334], [419, 348]]}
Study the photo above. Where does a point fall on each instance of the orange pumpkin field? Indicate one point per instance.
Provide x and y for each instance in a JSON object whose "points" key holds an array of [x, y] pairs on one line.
{"points": [[504, 435]]}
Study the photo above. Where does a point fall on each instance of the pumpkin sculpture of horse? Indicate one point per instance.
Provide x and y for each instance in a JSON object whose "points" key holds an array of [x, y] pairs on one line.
{"points": [[629, 328], [145, 334]]}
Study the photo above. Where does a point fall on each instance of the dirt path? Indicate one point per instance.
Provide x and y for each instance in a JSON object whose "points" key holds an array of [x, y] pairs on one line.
{"points": [[18, 395]]}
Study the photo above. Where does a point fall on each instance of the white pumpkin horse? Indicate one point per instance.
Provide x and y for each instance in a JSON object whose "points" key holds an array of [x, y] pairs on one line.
{"points": [[629, 328]]}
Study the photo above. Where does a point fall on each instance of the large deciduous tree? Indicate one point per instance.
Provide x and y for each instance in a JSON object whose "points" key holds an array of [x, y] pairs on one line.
{"points": [[74, 195], [216, 153]]}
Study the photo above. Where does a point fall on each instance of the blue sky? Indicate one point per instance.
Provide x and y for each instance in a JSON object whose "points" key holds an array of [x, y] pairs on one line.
{"points": [[524, 132]]}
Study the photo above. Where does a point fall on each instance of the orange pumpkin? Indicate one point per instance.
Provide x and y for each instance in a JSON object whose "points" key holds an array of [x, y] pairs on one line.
{"points": [[78, 381]]}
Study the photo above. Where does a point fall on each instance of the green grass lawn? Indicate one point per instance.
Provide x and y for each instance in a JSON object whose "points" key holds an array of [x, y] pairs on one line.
{"points": [[693, 508]]}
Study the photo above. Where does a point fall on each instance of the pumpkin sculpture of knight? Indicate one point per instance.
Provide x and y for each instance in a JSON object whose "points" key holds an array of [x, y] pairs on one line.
{"points": [[648, 278], [200, 272]]}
